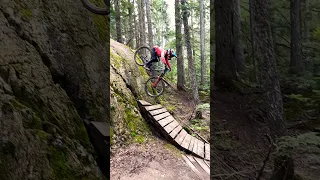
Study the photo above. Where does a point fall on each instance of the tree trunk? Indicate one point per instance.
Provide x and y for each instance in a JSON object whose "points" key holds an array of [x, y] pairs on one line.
{"points": [[192, 35], [225, 67], [252, 44], [142, 22], [307, 19], [150, 34], [202, 44], [130, 27], [118, 20], [180, 63], [191, 65], [296, 63], [137, 27], [269, 78], [239, 57]]}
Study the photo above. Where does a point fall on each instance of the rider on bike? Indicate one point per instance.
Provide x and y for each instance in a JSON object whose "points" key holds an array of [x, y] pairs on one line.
{"points": [[164, 55]]}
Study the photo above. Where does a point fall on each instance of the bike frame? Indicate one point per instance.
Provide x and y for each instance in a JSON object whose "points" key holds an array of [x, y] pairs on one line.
{"points": [[159, 79]]}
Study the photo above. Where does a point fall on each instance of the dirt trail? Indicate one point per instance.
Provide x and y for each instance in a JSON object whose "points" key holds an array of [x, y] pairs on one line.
{"points": [[154, 159]]}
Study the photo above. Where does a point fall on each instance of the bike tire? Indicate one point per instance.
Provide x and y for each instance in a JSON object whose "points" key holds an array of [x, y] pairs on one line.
{"points": [[136, 53], [160, 83], [95, 9]]}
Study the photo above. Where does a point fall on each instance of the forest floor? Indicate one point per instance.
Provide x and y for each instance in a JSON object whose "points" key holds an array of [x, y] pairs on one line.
{"points": [[153, 159], [241, 145], [156, 158]]}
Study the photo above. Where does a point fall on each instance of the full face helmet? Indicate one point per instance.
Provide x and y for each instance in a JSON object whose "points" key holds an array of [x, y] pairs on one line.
{"points": [[171, 53]]}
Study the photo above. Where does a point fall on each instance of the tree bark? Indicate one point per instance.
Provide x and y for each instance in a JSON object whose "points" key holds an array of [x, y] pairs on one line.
{"points": [[225, 67], [202, 44], [307, 19], [137, 27], [296, 63], [180, 63], [150, 34], [191, 64], [142, 22], [130, 27], [118, 20], [239, 57], [269, 78], [252, 44]]}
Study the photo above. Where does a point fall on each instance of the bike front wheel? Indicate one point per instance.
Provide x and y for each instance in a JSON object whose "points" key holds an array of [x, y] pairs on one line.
{"points": [[142, 55], [96, 9], [156, 91]]}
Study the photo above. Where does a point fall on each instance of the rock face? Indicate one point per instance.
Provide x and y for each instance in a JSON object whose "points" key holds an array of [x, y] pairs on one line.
{"points": [[126, 85], [53, 74]]}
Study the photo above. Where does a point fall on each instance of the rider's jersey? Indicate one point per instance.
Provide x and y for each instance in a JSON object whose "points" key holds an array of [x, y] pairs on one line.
{"points": [[161, 53]]}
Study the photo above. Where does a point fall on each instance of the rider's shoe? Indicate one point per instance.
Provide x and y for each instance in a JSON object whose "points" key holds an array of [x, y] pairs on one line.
{"points": [[146, 67]]}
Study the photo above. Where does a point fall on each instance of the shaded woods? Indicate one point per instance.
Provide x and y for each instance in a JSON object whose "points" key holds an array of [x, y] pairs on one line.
{"points": [[265, 88]]}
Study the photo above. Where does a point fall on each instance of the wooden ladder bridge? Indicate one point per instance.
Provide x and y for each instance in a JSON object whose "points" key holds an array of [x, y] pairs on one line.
{"points": [[197, 152]]}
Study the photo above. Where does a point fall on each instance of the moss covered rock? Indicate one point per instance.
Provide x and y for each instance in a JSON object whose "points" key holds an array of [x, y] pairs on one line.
{"points": [[53, 74], [126, 86]]}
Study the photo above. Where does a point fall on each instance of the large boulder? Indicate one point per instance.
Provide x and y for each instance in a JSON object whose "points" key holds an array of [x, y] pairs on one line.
{"points": [[53, 74], [126, 86]]}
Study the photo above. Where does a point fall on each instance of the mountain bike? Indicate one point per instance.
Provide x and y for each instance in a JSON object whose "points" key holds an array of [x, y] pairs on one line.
{"points": [[155, 85], [96, 9]]}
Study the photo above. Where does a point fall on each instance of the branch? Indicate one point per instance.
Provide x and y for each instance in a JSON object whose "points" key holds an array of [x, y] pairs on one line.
{"points": [[266, 159], [231, 174]]}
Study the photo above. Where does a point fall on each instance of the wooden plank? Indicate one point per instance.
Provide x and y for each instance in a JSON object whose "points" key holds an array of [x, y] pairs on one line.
{"points": [[150, 108], [207, 163], [204, 174], [102, 127], [144, 103], [157, 111], [176, 130], [207, 151], [183, 133], [185, 143], [161, 116], [201, 148], [202, 164], [192, 167], [171, 126], [195, 146], [191, 143], [165, 121]]}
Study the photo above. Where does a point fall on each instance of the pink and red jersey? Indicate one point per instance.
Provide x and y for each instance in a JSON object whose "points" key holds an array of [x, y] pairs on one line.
{"points": [[161, 53]]}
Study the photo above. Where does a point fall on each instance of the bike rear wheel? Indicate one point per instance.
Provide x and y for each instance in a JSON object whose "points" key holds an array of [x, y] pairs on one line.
{"points": [[95, 9], [142, 55], [157, 91]]}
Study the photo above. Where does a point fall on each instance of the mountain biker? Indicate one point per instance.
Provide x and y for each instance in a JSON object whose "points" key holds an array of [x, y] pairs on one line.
{"points": [[164, 55]]}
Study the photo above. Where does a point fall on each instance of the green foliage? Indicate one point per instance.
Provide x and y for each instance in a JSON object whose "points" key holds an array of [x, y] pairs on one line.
{"points": [[171, 108], [199, 125], [203, 106], [298, 106], [140, 139], [287, 144], [316, 33]]}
